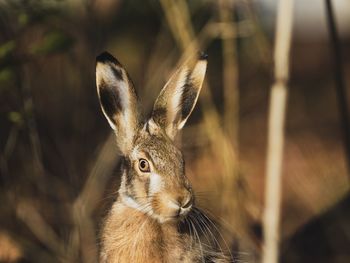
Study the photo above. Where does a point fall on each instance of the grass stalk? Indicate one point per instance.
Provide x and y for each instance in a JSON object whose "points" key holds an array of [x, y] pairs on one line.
{"points": [[277, 112], [230, 72], [234, 197], [84, 236], [339, 79]]}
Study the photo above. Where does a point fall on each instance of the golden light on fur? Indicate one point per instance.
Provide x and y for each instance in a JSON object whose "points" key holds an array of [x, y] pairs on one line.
{"points": [[154, 218]]}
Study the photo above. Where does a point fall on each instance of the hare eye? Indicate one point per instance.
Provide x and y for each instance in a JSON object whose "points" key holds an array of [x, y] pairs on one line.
{"points": [[144, 166]]}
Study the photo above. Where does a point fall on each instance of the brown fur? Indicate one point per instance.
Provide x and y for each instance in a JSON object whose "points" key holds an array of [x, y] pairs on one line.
{"points": [[131, 236], [154, 218]]}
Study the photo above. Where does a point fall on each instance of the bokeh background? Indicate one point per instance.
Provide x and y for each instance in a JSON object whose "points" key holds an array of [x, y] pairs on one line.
{"points": [[59, 164]]}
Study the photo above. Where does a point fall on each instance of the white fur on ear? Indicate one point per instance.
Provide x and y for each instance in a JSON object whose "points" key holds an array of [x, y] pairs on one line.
{"points": [[197, 76], [118, 99], [179, 96], [175, 101], [104, 77]]}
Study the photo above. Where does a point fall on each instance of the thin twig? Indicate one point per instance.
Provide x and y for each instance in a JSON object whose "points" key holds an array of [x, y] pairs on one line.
{"points": [[231, 201], [261, 43], [230, 73], [8, 150], [29, 116], [41, 229], [220, 143], [277, 112], [84, 233], [339, 79], [181, 28]]}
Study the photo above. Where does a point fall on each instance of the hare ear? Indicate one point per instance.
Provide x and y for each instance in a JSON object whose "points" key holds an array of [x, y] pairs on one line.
{"points": [[179, 96], [118, 99]]}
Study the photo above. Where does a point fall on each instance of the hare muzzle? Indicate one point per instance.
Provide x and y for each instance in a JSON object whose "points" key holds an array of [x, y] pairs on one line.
{"points": [[154, 189], [172, 205]]}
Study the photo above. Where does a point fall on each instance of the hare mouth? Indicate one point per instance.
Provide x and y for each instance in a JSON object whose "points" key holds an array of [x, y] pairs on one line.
{"points": [[168, 219], [178, 215]]}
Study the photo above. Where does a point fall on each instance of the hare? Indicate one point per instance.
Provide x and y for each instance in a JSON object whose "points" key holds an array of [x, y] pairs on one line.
{"points": [[154, 218]]}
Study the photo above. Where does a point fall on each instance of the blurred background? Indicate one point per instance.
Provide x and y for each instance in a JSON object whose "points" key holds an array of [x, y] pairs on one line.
{"points": [[59, 167]]}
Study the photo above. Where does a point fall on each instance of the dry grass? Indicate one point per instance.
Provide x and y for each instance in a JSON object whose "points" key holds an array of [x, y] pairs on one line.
{"points": [[276, 132], [234, 197], [57, 204]]}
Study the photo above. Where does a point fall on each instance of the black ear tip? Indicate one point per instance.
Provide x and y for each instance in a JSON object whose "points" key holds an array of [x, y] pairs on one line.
{"points": [[106, 57], [203, 56]]}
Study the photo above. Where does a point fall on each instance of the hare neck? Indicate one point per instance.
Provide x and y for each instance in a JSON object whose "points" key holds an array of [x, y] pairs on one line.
{"points": [[135, 237]]}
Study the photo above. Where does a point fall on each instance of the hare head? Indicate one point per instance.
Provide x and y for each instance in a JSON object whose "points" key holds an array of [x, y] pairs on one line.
{"points": [[153, 173]]}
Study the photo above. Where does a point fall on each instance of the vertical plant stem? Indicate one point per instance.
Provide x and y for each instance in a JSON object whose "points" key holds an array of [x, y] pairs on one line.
{"points": [[230, 200], [181, 28], [84, 236], [339, 79], [5, 155], [233, 197], [277, 112], [28, 110], [230, 71], [40, 228]]}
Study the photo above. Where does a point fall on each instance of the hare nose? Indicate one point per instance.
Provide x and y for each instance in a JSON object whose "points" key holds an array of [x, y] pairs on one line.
{"points": [[187, 202]]}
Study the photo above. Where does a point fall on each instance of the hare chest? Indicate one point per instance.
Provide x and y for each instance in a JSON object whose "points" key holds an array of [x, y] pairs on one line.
{"points": [[131, 236]]}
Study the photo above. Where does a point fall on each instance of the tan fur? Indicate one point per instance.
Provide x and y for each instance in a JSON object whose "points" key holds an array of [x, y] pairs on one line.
{"points": [[155, 218], [131, 236]]}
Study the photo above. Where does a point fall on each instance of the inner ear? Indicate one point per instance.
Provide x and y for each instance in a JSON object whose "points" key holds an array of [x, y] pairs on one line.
{"points": [[118, 99], [177, 99]]}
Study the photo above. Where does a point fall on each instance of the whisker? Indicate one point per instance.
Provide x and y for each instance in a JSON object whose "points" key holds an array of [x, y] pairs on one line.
{"points": [[189, 227], [199, 241], [144, 196], [211, 233], [201, 229], [222, 222], [216, 228], [114, 194]]}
